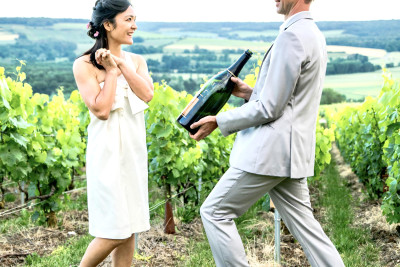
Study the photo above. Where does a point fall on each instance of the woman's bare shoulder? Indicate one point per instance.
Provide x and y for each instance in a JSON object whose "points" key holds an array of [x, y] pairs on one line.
{"points": [[83, 64], [83, 61], [136, 58]]}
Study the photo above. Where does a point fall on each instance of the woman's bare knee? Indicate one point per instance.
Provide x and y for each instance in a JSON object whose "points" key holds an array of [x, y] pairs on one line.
{"points": [[117, 242]]}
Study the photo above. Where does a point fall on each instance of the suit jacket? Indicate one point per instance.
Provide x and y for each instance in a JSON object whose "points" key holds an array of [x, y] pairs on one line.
{"points": [[276, 127]]}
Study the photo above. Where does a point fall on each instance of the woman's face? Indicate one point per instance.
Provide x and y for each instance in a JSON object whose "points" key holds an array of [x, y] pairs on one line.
{"points": [[125, 27]]}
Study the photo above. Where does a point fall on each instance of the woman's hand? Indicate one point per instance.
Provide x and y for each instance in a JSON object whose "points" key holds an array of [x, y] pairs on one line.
{"points": [[105, 58], [241, 89], [119, 61]]}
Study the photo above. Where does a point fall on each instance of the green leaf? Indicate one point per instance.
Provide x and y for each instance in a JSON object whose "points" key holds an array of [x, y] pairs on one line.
{"points": [[41, 157], [5, 103], [165, 132], [19, 123], [12, 156], [5, 92], [35, 216], [32, 190], [19, 139], [175, 172], [392, 128]]}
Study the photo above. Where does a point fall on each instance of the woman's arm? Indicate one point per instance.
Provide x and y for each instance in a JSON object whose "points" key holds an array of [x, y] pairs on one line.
{"points": [[139, 80], [99, 101]]}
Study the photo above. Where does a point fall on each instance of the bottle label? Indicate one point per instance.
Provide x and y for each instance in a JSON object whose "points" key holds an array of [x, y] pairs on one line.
{"points": [[190, 106]]}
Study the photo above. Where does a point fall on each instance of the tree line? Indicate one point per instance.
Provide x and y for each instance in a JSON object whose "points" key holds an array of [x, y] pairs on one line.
{"points": [[41, 50], [382, 34]]}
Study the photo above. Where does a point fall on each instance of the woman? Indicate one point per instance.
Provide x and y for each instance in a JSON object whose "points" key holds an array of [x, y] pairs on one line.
{"points": [[115, 86]]}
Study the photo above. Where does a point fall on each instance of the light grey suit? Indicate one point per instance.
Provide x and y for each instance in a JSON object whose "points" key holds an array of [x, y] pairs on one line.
{"points": [[275, 143]]}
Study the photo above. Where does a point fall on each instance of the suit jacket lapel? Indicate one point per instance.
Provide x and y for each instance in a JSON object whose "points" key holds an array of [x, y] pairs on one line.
{"points": [[266, 54]]}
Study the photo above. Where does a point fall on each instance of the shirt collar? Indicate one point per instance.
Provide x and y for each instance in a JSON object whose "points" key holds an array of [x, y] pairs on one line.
{"points": [[296, 17]]}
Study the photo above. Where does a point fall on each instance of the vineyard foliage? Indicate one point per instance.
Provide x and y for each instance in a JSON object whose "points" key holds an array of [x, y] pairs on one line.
{"points": [[43, 143], [369, 139]]}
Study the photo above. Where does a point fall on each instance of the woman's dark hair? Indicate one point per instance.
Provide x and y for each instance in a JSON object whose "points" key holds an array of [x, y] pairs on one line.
{"points": [[104, 10]]}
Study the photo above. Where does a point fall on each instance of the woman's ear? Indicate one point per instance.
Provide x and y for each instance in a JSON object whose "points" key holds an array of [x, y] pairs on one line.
{"points": [[108, 26]]}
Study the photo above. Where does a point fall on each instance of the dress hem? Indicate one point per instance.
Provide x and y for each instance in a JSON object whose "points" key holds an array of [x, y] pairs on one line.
{"points": [[119, 236]]}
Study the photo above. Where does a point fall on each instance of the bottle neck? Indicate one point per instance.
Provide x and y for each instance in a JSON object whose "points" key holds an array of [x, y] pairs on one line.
{"points": [[236, 67]]}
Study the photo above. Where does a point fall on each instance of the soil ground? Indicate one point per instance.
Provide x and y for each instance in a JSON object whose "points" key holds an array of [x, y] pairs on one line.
{"points": [[159, 249]]}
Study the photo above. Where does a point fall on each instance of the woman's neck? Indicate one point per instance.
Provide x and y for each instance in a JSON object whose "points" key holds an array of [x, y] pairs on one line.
{"points": [[116, 49]]}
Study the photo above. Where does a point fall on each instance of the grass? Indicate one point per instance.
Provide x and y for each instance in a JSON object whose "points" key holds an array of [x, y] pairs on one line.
{"points": [[69, 254], [353, 243], [248, 225], [199, 254], [17, 224]]}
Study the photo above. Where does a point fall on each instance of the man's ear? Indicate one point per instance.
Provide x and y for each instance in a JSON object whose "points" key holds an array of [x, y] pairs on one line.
{"points": [[108, 26]]}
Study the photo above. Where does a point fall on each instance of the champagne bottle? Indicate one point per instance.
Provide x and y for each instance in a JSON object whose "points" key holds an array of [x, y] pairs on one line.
{"points": [[213, 95]]}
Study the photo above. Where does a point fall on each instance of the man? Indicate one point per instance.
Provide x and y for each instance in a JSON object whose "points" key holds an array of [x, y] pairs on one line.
{"points": [[274, 150]]}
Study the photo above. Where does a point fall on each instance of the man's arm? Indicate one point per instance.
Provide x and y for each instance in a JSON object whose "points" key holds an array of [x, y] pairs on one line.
{"points": [[287, 57], [209, 124], [286, 60]]}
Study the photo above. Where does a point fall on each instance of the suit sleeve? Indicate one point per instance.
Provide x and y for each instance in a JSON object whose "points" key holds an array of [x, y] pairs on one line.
{"points": [[287, 57]]}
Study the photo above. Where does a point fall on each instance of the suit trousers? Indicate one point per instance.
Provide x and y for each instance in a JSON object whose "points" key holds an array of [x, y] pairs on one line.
{"points": [[237, 191]]}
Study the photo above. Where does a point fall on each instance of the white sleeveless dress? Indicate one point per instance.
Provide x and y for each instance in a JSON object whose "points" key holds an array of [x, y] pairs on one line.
{"points": [[116, 167]]}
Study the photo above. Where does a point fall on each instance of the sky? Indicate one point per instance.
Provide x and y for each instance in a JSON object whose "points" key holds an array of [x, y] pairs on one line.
{"points": [[206, 10]]}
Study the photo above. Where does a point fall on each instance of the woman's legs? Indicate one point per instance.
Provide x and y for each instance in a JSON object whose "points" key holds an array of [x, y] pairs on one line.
{"points": [[123, 254], [100, 248]]}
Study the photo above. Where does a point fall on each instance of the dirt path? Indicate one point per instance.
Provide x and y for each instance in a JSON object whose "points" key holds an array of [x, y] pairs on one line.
{"points": [[369, 215], [159, 249]]}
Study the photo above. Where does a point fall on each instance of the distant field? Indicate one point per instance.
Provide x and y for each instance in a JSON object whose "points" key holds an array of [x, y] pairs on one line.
{"points": [[335, 33], [76, 26], [7, 37], [150, 35], [391, 57], [359, 85], [158, 42], [179, 34], [369, 52], [244, 34], [216, 44], [176, 41]]}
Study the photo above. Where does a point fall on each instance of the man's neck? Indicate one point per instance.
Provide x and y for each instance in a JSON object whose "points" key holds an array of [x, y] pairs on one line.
{"points": [[300, 6]]}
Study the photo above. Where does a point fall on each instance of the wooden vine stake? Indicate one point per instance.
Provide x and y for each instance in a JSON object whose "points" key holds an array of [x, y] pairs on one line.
{"points": [[169, 224]]}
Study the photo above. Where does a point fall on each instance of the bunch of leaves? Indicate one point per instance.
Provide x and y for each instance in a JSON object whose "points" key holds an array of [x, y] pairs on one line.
{"points": [[40, 143], [189, 168], [358, 135], [390, 134], [369, 139], [173, 156], [15, 133], [323, 139]]}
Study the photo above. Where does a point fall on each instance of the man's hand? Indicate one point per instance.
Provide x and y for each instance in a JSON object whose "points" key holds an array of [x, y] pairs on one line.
{"points": [[207, 125], [241, 89]]}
